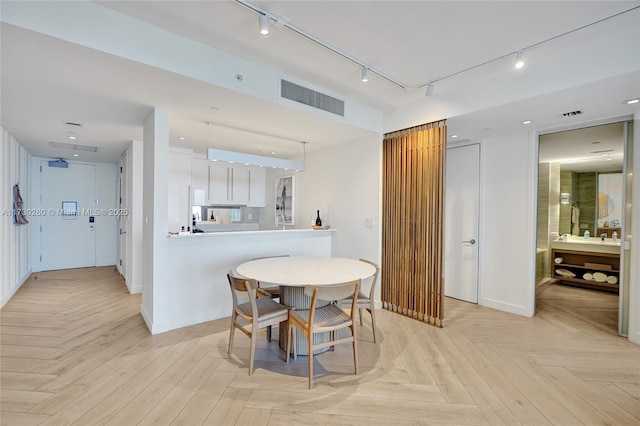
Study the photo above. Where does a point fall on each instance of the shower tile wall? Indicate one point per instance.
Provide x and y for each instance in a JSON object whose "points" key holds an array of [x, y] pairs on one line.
{"points": [[587, 193]]}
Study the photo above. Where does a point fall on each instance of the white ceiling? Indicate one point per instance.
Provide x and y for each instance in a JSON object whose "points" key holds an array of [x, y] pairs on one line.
{"points": [[580, 56]]}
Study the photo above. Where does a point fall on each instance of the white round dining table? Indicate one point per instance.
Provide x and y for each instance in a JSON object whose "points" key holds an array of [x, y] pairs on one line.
{"points": [[299, 271], [293, 273]]}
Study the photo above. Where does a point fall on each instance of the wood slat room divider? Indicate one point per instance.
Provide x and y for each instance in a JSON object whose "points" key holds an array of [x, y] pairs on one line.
{"points": [[412, 227]]}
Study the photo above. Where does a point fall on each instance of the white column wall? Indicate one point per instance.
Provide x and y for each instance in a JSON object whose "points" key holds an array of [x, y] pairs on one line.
{"points": [[507, 237], [155, 287], [15, 265]]}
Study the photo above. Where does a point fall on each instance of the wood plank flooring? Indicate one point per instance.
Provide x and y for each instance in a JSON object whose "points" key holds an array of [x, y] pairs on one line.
{"points": [[75, 351]]}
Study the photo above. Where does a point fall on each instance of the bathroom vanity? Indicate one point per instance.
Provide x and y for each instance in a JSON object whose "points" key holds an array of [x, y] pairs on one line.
{"points": [[589, 263]]}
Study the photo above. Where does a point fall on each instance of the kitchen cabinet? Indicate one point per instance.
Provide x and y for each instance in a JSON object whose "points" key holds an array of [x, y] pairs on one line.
{"points": [[586, 268], [257, 186], [228, 184], [179, 188], [200, 181]]}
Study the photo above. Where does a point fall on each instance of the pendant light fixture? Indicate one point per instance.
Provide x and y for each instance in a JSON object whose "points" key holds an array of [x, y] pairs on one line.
{"points": [[519, 60], [263, 20], [365, 74]]}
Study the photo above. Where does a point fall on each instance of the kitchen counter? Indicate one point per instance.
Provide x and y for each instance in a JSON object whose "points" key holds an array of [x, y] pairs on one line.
{"points": [[194, 268], [250, 232]]}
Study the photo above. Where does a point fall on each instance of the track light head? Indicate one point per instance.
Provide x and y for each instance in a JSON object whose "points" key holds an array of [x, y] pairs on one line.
{"points": [[263, 20], [430, 88], [519, 60], [365, 74]]}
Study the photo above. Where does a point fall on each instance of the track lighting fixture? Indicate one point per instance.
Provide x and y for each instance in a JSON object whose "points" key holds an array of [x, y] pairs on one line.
{"points": [[264, 24], [365, 74], [519, 60], [430, 88]]}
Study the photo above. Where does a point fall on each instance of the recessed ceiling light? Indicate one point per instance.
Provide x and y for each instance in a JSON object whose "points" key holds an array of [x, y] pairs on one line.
{"points": [[273, 153], [182, 138], [527, 122], [608, 159], [633, 101], [76, 155], [73, 138], [454, 136]]}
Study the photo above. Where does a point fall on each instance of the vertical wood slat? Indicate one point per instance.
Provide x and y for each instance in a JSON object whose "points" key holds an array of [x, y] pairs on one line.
{"points": [[413, 204]]}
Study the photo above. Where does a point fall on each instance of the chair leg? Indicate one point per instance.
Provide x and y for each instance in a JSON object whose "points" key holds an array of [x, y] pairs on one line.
{"points": [[372, 311], [360, 315], [355, 348], [231, 333], [288, 345], [252, 354], [310, 368], [268, 333]]}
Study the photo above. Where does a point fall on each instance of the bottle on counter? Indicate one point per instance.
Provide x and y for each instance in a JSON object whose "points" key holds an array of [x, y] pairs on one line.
{"points": [[318, 220], [586, 234], [614, 236]]}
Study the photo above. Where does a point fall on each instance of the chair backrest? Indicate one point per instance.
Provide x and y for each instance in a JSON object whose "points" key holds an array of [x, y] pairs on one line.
{"points": [[375, 277], [332, 293], [243, 285]]}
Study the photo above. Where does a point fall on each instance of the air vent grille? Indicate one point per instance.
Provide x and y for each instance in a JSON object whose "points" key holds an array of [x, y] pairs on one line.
{"points": [[62, 145], [572, 113], [304, 95]]}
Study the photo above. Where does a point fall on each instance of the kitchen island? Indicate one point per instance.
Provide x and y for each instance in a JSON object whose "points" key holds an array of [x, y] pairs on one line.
{"points": [[194, 284]]}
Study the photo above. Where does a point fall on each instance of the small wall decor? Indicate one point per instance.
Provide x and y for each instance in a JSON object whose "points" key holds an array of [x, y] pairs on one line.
{"points": [[18, 208], [285, 200]]}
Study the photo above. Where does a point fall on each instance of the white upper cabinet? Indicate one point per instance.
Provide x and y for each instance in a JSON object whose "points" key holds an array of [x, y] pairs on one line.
{"points": [[257, 186], [228, 184]]}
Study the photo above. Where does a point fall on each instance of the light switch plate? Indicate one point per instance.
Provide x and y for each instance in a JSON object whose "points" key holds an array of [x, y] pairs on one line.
{"points": [[368, 222]]}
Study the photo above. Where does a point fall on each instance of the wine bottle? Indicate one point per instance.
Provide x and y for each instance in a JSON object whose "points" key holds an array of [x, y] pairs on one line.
{"points": [[318, 220]]}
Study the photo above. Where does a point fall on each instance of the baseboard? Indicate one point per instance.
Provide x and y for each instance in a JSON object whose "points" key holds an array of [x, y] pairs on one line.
{"points": [[133, 289], [8, 297], [506, 307]]}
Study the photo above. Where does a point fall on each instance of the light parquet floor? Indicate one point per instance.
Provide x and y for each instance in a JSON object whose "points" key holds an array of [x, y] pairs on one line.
{"points": [[75, 351]]}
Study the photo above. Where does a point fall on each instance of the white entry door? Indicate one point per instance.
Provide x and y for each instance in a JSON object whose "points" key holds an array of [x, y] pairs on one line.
{"points": [[461, 223], [68, 237]]}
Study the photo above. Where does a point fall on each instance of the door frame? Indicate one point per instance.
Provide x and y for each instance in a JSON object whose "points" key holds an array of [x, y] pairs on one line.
{"points": [[624, 297]]}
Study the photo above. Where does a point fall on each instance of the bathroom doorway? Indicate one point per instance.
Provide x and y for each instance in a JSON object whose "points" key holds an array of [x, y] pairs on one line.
{"points": [[581, 218]]}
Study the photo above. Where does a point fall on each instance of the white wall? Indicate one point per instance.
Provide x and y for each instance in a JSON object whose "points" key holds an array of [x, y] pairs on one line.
{"points": [[507, 238], [155, 286], [15, 265], [343, 182], [133, 273]]}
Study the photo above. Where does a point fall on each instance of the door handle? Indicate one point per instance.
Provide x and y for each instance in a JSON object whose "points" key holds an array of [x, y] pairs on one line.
{"points": [[471, 241]]}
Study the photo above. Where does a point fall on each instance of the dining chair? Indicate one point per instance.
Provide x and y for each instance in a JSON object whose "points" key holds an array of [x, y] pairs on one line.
{"points": [[329, 318], [273, 291], [365, 302], [251, 316]]}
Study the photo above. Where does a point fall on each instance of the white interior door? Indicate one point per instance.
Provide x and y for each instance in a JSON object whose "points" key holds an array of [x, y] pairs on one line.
{"points": [[68, 240], [461, 222]]}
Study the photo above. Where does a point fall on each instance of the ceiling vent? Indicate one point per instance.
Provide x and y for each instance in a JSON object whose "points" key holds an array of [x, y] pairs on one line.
{"points": [[74, 147], [304, 95], [572, 113]]}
